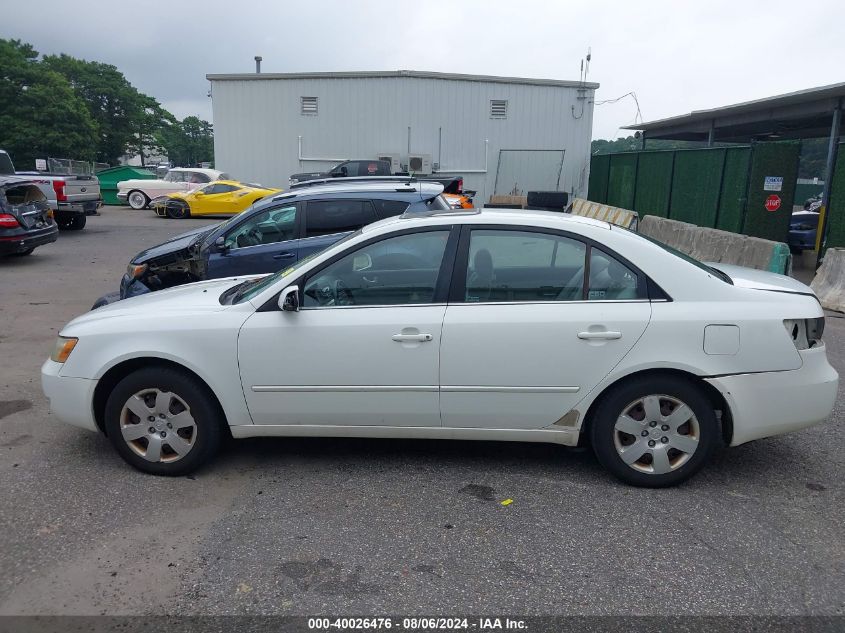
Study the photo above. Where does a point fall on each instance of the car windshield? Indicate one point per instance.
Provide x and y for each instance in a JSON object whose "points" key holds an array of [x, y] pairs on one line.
{"points": [[691, 260], [254, 287]]}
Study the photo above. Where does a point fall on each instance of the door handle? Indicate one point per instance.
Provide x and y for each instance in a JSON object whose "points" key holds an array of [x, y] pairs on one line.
{"points": [[599, 336], [284, 255], [404, 338]]}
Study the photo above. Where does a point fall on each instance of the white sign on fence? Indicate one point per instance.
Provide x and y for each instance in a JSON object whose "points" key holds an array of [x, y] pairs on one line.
{"points": [[41, 164], [773, 183]]}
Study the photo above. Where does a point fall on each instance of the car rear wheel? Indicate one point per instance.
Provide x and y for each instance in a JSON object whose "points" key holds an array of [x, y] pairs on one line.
{"points": [[138, 200], [178, 210], [163, 421], [654, 431]]}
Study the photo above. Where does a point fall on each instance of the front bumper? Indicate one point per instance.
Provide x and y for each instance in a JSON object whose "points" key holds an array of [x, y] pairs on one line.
{"points": [[122, 195], [772, 403], [27, 239], [71, 399]]}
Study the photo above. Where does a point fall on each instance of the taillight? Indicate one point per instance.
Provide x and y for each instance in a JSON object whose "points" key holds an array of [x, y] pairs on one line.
{"points": [[59, 188], [8, 221], [460, 185], [805, 333]]}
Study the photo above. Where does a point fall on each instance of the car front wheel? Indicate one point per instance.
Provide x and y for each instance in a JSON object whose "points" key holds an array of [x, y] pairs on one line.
{"points": [[654, 431], [163, 421]]}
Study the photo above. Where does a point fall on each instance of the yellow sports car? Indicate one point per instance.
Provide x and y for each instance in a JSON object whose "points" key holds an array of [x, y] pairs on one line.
{"points": [[221, 197]]}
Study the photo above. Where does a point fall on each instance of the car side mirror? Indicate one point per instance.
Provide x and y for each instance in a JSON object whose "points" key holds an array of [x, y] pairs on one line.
{"points": [[221, 245], [289, 299]]}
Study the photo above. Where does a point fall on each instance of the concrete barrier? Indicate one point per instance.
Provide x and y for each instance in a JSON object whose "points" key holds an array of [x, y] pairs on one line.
{"points": [[713, 245], [614, 215], [513, 202], [829, 282]]}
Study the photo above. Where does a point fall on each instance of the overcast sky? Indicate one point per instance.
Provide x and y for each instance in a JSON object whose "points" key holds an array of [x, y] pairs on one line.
{"points": [[676, 56]]}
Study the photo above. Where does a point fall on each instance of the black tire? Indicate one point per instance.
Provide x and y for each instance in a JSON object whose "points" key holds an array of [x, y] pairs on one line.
{"points": [[605, 437], [201, 405], [180, 211], [24, 253], [548, 199], [71, 221]]}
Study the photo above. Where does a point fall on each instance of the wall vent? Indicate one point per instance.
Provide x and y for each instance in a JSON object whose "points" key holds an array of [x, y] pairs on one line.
{"points": [[308, 105], [498, 109]]}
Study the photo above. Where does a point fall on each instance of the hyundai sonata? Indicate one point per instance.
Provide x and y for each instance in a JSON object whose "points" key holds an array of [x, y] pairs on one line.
{"points": [[475, 325]]}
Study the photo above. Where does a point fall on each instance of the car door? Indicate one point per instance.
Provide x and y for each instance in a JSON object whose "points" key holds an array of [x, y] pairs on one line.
{"points": [[363, 349], [523, 339], [326, 221], [264, 242]]}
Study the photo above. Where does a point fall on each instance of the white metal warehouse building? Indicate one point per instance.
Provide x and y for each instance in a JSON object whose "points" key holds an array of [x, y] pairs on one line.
{"points": [[505, 135]]}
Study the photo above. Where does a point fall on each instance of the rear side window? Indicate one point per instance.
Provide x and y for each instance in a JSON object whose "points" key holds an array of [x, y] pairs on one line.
{"points": [[523, 266], [610, 279], [389, 208], [327, 217]]}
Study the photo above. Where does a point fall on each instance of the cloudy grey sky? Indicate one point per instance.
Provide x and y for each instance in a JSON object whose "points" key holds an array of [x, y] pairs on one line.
{"points": [[676, 56]]}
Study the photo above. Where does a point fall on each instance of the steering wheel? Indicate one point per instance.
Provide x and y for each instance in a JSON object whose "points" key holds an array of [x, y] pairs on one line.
{"points": [[255, 235], [342, 294]]}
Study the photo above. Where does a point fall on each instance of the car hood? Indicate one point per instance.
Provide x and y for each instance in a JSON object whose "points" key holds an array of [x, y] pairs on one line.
{"points": [[761, 279], [174, 244], [202, 297]]}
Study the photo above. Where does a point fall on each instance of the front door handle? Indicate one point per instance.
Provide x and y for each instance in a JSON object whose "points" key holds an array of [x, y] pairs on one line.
{"points": [[287, 255], [405, 338], [599, 336]]}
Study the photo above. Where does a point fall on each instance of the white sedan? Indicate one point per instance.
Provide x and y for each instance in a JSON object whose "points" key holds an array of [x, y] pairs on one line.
{"points": [[492, 325]]}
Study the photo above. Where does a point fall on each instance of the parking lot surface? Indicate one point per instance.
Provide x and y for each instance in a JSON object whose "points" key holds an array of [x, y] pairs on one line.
{"points": [[369, 527]]}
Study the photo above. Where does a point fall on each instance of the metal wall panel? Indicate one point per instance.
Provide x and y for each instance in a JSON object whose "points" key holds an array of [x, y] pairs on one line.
{"points": [[257, 125]]}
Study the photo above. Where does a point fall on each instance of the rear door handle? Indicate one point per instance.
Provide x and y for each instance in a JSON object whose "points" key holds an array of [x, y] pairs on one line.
{"points": [[599, 336], [287, 255], [404, 338]]}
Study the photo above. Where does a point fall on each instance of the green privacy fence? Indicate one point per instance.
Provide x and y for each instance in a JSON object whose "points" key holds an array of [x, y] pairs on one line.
{"points": [[836, 210], [724, 188]]}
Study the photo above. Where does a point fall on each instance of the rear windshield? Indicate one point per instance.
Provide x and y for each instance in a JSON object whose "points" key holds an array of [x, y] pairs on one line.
{"points": [[691, 260]]}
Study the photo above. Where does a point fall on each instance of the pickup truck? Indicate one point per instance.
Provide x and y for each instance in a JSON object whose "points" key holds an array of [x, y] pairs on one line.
{"points": [[72, 197], [368, 167]]}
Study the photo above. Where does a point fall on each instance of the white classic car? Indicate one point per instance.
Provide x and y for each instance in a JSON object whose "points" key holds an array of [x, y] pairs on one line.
{"points": [[138, 193]]}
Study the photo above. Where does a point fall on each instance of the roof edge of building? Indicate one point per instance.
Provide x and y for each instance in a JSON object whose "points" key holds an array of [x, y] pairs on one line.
{"points": [[419, 74]]}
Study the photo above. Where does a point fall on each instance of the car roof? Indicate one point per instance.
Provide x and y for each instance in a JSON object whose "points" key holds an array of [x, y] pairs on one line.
{"points": [[515, 217], [423, 189], [214, 173]]}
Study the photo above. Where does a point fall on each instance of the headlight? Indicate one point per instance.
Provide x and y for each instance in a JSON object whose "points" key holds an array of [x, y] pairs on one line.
{"points": [[62, 349], [136, 270]]}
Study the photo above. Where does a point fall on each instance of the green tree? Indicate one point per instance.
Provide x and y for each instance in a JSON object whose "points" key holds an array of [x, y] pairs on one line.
{"points": [[188, 142], [118, 109], [40, 115]]}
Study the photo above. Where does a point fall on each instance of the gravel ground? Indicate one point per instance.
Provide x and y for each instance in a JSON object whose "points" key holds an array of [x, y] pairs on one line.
{"points": [[370, 527]]}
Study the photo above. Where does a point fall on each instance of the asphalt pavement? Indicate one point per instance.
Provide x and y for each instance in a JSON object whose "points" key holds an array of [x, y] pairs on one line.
{"points": [[374, 527]]}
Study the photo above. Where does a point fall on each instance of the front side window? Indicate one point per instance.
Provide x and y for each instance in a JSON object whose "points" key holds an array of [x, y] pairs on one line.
{"points": [[267, 227], [401, 270], [327, 217], [524, 266], [218, 188], [345, 170]]}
